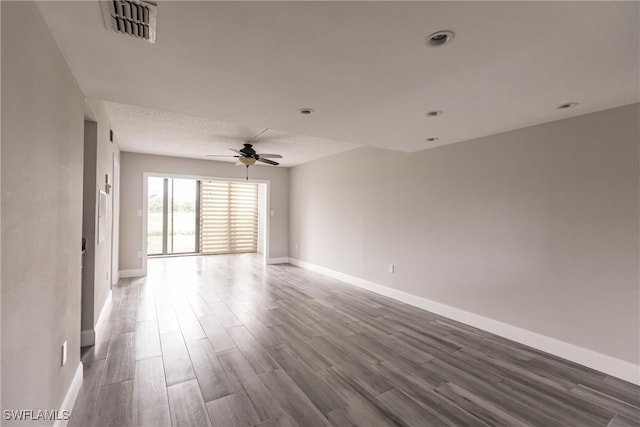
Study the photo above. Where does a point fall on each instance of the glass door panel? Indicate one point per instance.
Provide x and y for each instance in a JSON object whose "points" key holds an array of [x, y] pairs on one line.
{"points": [[155, 210], [172, 220], [182, 229]]}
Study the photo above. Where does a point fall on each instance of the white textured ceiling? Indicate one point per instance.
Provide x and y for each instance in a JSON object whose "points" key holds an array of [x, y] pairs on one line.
{"points": [[363, 66], [146, 130]]}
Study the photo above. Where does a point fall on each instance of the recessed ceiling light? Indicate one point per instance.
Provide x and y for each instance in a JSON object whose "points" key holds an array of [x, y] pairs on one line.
{"points": [[439, 38], [306, 111], [434, 113], [567, 105], [432, 139]]}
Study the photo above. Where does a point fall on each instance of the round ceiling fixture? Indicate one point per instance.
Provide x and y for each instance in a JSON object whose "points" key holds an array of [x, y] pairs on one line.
{"points": [[246, 161], [567, 105], [434, 113], [440, 38], [306, 111], [432, 139]]}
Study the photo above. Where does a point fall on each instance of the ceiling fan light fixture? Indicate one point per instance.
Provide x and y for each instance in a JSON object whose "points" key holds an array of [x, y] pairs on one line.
{"points": [[246, 161]]}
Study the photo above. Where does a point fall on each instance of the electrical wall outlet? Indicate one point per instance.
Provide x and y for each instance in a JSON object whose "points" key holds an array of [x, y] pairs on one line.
{"points": [[392, 268], [64, 354]]}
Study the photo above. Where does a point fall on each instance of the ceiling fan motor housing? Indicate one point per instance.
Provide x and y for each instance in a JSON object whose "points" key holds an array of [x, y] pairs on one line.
{"points": [[248, 150]]}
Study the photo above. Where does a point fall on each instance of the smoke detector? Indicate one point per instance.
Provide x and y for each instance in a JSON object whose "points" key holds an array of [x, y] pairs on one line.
{"points": [[131, 17]]}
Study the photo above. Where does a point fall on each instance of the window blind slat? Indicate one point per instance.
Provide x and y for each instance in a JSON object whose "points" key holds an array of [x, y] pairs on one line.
{"points": [[228, 217]]}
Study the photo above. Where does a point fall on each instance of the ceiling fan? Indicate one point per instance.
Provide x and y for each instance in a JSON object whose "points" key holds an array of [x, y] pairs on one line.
{"points": [[247, 156]]}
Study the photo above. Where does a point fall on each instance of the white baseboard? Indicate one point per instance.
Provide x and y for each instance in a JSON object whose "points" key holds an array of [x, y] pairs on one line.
{"points": [[104, 310], [601, 362], [138, 272], [281, 260], [71, 395], [103, 313], [88, 336]]}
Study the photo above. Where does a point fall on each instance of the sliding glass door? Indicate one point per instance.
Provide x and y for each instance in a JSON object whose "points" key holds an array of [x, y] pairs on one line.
{"points": [[186, 216], [172, 216]]}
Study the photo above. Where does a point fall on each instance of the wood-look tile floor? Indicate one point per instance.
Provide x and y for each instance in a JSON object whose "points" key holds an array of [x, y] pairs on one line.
{"points": [[226, 341]]}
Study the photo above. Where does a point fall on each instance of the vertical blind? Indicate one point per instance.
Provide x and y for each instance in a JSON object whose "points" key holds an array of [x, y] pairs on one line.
{"points": [[228, 217]]}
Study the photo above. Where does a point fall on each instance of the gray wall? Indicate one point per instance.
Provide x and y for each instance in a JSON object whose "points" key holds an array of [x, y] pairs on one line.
{"points": [[537, 228], [89, 207], [133, 166], [42, 139], [99, 152]]}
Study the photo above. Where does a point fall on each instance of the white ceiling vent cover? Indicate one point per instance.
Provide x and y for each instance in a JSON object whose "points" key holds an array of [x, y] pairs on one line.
{"points": [[135, 18]]}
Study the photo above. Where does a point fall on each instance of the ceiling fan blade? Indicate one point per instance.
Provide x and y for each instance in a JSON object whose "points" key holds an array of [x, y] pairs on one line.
{"points": [[267, 161], [220, 155], [270, 156], [236, 151]]}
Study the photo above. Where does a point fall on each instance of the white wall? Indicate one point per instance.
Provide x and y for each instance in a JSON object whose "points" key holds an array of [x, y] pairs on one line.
{"points": [[42, 145], [262, 215], [134, 165], [115, 226], [0, 208], [537, 228]]}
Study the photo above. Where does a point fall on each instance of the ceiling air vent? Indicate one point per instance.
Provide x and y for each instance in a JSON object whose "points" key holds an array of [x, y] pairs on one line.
{"points": [[135, 18]]}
